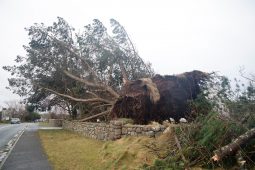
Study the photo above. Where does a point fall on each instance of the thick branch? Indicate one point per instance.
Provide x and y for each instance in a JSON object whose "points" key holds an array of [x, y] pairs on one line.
{"points": [[234, 146], [105, 87], [103, 105], [91, 93], [99, 106], [123, 72], [78, 99], [94, 116]]}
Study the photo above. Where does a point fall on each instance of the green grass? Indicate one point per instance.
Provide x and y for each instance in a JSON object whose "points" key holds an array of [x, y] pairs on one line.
{"points": [[67, 150], [44, 124]]}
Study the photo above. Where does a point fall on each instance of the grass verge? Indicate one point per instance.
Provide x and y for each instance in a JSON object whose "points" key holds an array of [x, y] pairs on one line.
{"points": [[67, 150], [44, 124]]}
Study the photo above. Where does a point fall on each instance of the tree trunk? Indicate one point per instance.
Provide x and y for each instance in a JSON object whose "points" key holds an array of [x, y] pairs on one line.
{"points": [[234, 146]]}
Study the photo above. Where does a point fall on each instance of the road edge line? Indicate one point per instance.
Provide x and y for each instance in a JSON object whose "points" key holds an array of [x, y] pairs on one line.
{"points": [[8, 154]]}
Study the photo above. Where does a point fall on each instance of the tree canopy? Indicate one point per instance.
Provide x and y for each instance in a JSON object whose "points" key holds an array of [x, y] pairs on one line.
{"points": [[67, 68]]}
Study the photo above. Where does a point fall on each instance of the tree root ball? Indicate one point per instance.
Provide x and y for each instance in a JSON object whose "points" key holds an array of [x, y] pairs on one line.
{"points": [[159, 98]]}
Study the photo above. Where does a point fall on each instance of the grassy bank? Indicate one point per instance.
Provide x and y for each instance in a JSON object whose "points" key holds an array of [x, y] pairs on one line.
{"points": [[67, 150]]}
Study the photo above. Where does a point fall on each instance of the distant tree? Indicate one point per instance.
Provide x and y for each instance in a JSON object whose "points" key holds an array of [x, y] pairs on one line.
{"points": [[16, 109], [31, 114], [71, 68]]}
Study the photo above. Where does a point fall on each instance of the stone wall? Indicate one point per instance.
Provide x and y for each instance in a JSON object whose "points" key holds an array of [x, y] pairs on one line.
{"points": [[142, 130], [113, 130]]}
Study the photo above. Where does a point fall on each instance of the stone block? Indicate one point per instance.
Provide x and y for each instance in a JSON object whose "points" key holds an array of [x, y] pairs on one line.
{"points": [[118, 123], [124, 130], [147, 128], [156, 128], [150, 134], [133, 134], [138, 130], [112, 136], [117, 132]]}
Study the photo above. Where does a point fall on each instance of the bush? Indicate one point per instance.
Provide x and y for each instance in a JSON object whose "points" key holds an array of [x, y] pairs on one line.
{"points": [[32, 116]]}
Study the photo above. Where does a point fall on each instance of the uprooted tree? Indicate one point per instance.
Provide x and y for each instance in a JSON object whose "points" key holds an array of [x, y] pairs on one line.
{"points": [[86, 71], [71, 68]]}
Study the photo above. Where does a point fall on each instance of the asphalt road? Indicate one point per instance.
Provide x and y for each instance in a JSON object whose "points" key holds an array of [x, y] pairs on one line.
{"points": [[28, 153], [7, 132]]}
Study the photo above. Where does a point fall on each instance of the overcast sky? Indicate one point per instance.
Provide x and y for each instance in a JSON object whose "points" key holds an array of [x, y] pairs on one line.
{"points": [[174, 35]]}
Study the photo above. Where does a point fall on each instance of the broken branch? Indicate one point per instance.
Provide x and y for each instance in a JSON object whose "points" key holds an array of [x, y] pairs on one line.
{"points": [[234, 146]]}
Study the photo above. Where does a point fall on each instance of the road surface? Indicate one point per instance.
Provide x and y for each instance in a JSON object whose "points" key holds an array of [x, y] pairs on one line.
{"points": [[7, 132], [28, 153]]}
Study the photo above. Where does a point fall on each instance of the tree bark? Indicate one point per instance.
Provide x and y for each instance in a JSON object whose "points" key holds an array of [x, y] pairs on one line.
{"points": [[234, 146], [123, 72]]}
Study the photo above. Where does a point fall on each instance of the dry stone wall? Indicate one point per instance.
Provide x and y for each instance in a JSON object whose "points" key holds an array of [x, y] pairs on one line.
{"points": [[113, 130]]}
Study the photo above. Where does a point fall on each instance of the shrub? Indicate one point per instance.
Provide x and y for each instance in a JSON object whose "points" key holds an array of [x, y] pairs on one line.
{"points": [[214, 128], [32, 116]]}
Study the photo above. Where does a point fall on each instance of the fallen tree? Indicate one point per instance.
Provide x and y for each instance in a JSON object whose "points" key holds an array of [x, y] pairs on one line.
{"points": [[81, 71], [100, 71]]}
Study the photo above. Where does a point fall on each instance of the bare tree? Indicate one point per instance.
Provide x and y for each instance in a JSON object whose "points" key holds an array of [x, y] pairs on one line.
{"points": [[16, 108]]}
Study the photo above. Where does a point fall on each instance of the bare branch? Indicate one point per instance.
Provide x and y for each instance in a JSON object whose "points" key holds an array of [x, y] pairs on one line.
{"points": [[241, 71], [102, 106], [133, 48], [105, 87], [94, 116], [95, 104], [91, 93], [99, 106], [248, 78], [78, 99]]}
